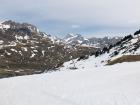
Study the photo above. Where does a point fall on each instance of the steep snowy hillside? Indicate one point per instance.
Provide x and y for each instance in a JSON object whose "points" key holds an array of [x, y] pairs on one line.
{"points": [[126, 50], [110, 85]]}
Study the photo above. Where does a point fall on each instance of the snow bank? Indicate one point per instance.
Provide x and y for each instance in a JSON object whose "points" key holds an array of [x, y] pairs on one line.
{"points": [[111, 85]]}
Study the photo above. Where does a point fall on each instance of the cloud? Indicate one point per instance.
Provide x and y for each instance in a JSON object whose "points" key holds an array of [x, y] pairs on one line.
{"points": [[81, 16], [75, 26]]}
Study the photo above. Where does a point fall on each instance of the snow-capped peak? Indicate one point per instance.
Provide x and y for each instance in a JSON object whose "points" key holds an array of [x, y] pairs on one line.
{"points": [[76, 39], [4, 26]]}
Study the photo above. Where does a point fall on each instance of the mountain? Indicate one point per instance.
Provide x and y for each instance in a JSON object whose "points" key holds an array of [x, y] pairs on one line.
{"points": [[83, 81], [105, 41], [125, 50], [24, 49], [77, 39]]}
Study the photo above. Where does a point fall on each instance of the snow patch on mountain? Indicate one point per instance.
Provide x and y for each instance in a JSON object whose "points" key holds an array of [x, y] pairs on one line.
{"points": [[3, 26], [71, 38]]}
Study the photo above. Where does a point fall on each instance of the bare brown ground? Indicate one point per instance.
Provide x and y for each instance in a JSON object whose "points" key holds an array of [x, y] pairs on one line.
{"points": [[125, 58]]}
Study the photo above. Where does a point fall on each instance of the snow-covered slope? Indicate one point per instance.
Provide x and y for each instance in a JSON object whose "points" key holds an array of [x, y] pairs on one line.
{"points": [[110, 85], [86, 64], [91, 83]]}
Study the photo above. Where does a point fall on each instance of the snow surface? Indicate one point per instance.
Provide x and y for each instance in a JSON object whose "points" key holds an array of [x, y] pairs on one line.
{"points": [[14, 50], [33, 54], [1, 41], [18, 37], [25, 48], [26, 37], [3, 26], [108, 85]]}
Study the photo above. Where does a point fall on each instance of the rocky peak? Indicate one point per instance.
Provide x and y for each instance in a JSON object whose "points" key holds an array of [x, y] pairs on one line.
{"points": [[25, 26], [75, 39]]}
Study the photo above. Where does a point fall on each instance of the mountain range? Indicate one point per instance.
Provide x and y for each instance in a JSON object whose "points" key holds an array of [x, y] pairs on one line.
{"points": [[77, 39], [24, 49]]}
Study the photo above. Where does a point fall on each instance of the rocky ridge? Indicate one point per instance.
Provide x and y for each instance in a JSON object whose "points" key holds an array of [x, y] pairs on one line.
{"points": [[24, 49]]}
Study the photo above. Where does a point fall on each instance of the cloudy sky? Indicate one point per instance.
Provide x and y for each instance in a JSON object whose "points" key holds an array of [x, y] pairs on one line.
{"points": [[87, 17]]}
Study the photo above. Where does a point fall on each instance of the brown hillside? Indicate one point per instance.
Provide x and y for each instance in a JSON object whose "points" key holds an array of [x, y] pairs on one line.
{"points": [[125, 58]]}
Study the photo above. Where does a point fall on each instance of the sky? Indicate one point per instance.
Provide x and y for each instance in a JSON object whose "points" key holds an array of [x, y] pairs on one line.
{"points": [[91, 18]]}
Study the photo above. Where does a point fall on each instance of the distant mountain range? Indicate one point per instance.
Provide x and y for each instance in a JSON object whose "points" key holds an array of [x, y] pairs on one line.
{"points": [[77, 39]]}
